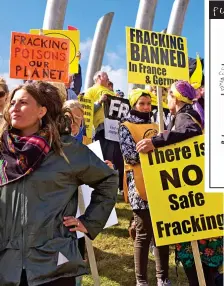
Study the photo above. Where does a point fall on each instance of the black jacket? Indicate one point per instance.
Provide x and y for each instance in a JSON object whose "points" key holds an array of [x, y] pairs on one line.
{"points": [[182, 127], [76, 84]]}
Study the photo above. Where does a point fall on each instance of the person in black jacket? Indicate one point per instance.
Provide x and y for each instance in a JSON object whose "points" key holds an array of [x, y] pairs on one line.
{"points": [[185, 124]]}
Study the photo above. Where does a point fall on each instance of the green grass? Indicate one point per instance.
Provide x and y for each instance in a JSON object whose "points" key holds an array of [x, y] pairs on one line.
{"points": [[114, 255]]}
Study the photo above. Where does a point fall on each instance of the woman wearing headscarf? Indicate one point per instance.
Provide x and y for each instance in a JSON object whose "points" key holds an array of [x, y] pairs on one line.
{"points": [[132, 129], [42, 166], [186, 124]]}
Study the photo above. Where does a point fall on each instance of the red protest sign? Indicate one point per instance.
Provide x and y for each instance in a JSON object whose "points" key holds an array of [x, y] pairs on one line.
{"points": [[36, 57]]}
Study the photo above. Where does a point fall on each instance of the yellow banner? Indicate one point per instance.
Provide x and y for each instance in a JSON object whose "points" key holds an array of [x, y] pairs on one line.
{"points": [[181, 211], [155, 103], [88, 107], [74, 38], [156, 58]]}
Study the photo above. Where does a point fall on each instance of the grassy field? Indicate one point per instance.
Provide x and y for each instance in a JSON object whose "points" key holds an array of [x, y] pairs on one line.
{"points": [[114, 254]]}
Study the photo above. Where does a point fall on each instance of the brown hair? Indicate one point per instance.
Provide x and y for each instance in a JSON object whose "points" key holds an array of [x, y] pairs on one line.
{"points": [[62, 90], [54, 120], [4, 85]]}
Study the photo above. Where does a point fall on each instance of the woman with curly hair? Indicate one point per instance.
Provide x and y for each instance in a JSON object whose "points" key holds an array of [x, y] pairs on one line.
{"points": [[42, 166]]}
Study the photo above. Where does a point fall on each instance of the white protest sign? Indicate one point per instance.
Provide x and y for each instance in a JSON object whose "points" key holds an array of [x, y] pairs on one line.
{"points": [[87, 191]]}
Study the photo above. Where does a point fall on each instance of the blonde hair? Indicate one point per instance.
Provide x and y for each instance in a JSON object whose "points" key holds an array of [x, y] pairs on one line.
{"points": [[73, 104]]}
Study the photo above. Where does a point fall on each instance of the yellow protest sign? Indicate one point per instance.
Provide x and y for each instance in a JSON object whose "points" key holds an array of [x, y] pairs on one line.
{"points": [[181, 211], [88, 107], [156, 58], [154, 101], [74, 38]]}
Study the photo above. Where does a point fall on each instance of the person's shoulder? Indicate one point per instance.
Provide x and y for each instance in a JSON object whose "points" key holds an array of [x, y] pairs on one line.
{"points": [[195, 115], [70, 141], [109, 92], [190, 115], [72, 147], [90, 89]]}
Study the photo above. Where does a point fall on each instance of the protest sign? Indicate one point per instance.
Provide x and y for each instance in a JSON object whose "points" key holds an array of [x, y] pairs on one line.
{"points": [[181, 211], [74, 38], [39, 58], [155, 58], [88, 107], [114, 109]]}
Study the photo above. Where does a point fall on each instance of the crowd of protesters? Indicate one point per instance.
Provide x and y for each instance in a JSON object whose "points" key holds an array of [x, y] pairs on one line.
{"points": [[43, 161]]}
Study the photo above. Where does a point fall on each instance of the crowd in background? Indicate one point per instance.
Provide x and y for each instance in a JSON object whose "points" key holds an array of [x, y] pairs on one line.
{"points": [[186, 107]]}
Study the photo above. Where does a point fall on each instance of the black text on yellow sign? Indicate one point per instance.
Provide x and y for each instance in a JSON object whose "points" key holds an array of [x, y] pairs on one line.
{"points": [[88, 108], [180, 209], [156, 58]]}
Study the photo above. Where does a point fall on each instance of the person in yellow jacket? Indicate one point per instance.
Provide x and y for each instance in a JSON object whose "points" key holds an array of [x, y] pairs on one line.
{"points": [[132, 129], [110, 149], [98, 94]]}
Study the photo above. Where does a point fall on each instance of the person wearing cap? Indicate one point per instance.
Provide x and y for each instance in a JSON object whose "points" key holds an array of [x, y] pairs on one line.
{"points": [[132, 129], [186, 124]]}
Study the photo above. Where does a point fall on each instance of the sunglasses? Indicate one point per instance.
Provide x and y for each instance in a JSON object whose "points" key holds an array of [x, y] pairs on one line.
{"points": [[2, 94]]}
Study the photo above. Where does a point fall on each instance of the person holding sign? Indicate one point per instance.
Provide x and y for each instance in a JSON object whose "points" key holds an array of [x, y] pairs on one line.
{"points": [[110, 149], [42, 166], [132, 130], [187, 124]]}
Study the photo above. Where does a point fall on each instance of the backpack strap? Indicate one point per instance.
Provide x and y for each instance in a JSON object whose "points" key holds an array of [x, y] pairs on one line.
{"points": [[195, 120]]}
